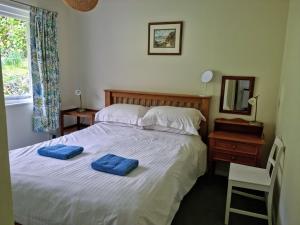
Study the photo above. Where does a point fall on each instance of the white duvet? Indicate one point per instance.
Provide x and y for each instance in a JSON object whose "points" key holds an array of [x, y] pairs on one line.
{"points": [[49, 191]]}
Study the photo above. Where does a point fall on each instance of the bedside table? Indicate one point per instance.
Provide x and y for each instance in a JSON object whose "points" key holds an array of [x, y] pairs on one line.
{"points": [[235, 140], [89, 114]]}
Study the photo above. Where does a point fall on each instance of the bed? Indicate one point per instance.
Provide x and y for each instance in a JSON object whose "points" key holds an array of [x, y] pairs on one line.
{"points": [[53, 192]]}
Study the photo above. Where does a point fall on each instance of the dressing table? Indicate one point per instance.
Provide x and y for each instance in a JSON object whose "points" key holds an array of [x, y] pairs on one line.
{"points": [[236, 140]]}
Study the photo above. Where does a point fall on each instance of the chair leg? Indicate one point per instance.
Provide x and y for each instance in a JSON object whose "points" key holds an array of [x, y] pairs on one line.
{"points": [[269, 206], [228, 201]]}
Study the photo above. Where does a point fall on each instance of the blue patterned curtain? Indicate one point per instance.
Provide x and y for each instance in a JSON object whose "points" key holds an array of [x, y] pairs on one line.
{"points": [[45, 70]]}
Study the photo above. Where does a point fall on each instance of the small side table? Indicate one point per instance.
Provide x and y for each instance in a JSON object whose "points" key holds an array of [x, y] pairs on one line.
{"points": [[89, 114]]}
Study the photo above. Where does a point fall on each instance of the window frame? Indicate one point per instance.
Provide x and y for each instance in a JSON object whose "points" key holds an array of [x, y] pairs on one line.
{"points": [[21, 14]]}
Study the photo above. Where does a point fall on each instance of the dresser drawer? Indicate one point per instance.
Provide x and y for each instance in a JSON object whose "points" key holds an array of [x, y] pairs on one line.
{"points": [[235, 146], [222, 156]]}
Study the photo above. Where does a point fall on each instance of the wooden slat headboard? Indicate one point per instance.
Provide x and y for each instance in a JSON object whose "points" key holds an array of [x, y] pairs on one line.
{"points": [[159, 99]]}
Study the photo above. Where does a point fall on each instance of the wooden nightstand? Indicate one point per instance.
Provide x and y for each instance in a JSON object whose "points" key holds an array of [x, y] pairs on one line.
{"points": [[235, 140], [89, 114]]}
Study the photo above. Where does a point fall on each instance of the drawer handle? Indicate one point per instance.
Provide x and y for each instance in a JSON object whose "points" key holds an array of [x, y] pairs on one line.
{"points": [[233, 157], [234, 146]]}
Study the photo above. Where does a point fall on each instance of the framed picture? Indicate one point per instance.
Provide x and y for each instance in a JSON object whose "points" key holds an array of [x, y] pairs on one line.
{"points": [[165, 38]]}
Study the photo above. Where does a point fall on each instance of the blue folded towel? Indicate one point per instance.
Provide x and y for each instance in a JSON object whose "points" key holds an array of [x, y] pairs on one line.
{"points": [[115, 164], [60, 151]]}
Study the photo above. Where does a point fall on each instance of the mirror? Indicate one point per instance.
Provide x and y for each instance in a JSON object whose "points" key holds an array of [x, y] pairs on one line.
{"points": [[235, 93]]}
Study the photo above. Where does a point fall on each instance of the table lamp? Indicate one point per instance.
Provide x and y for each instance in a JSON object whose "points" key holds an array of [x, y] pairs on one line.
{"points": [[78, 93], [253, 101]]}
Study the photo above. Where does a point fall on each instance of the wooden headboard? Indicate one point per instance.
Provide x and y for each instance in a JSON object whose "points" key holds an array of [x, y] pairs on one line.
{"points": [[158, 99]]}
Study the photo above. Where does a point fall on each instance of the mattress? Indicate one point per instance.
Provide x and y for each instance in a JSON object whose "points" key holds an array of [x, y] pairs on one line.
{"points": [[49, 191]]}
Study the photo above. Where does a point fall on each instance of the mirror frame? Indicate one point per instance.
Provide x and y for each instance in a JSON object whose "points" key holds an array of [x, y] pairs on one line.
{"points": [[251, 91]]}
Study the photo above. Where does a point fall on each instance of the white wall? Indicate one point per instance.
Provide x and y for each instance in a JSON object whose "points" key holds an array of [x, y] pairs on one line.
{"points": [[232, 37], [19, 117], [19, 126], [289, 122]]}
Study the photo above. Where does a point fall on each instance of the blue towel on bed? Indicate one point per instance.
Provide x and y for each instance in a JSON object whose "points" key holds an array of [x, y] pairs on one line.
{"points": [[60, 151], [115, 164]]}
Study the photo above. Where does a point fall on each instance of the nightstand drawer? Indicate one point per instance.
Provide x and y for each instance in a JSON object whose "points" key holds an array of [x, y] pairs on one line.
{"points": [[227, 145], [235, 146], [222, 156]]}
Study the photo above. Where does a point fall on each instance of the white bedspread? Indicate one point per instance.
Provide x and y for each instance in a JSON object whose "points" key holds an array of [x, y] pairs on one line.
{"points": [[49, 191]]}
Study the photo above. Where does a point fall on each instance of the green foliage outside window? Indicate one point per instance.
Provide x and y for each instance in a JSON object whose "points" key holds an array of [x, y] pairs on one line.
{"points": [[13, 45]]}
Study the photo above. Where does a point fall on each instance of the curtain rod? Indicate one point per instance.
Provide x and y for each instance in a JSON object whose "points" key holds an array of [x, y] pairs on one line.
{"points": [[26, 4]]}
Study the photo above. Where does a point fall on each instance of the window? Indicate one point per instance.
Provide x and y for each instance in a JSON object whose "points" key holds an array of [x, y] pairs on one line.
{"points": [[15, 58]]}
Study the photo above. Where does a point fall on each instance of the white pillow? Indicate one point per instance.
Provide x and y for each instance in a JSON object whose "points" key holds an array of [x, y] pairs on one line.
{"points": [[173, 119], [121, 113]]}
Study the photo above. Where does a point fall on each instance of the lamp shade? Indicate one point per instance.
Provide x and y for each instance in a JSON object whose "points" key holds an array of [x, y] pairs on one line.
{"points": [[252, 101], [78, 92], [82, 5], [207, 76]]}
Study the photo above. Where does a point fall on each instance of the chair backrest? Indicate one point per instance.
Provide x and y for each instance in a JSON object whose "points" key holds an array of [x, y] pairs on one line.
{"points": [[274, 159]]}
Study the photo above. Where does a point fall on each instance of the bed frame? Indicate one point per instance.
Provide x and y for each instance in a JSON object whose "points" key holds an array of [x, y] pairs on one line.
{"points": [[159, 99]]}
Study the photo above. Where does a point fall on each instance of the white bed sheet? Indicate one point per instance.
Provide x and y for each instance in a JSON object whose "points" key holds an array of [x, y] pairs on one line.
{"points": [[49, 191]]}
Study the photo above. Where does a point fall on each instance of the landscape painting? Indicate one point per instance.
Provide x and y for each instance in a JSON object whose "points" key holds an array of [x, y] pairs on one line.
{"points": [[164, 38]]}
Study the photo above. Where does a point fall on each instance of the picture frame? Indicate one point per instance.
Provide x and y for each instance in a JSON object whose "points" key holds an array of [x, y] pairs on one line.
{"points": [[165, 38]]}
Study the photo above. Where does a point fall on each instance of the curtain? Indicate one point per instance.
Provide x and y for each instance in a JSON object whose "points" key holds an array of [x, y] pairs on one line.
{"points": [[44, 69]]}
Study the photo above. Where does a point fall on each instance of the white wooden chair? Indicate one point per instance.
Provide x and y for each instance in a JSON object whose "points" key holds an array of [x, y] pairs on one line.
{"points": [[254, 178]]}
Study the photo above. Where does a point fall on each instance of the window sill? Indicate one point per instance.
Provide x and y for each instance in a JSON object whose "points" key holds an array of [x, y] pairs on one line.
{"points": [[17, 102]]}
